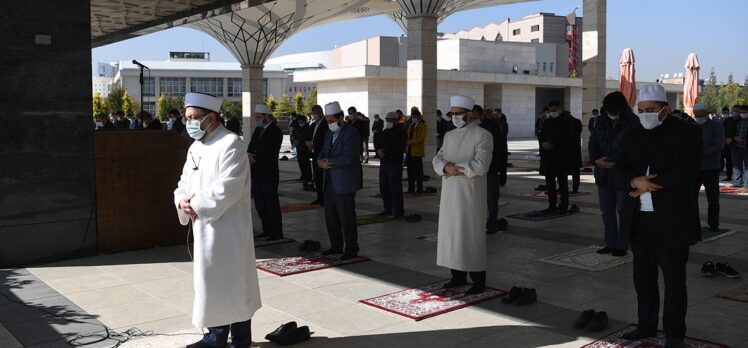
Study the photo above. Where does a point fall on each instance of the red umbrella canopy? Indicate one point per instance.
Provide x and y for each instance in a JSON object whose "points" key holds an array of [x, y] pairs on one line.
{"points": [[627, 83], [691, 84]]}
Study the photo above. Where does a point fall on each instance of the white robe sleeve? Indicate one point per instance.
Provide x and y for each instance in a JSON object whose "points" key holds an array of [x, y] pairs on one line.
{"points": [[438, 162], [181, 193], [226, 188], [483, 150]]}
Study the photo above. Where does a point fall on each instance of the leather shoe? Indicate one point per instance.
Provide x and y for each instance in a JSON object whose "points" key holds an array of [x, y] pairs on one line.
{"points": [[619, 252], [348, 256], [454, 284], [295, 336], [674, 343], [475, 289], [512, 296], [331, 252], [598, 323], [202, 344], [637, 335], [527, 297], [282, 330], [584, 319]]}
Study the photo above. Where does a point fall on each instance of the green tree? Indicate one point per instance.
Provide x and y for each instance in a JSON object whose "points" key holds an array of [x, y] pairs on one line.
{"points": [[235, 108], [114, 99], [100, 104], [166, 103], [283, 109], [730, 94], [710, 94], [129, 105], [299, 103], [312, 98], [271, 103]]}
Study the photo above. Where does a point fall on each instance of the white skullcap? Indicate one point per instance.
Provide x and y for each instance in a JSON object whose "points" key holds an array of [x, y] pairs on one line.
{"points": [[262, 109], [461, 101], [652, 93], [332, 108], [201, 100], [699, 107]]}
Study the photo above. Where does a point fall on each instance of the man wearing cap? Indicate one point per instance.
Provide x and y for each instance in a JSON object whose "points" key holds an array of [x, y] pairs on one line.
{"points": [[263, 152], [714, 140], [463, 162], [660, 163], [339, 158], [214, 194], [390, 147], [319, 132]]}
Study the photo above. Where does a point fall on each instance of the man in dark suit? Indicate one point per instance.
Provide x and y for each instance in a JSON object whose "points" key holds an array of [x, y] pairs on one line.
{"points": [[232, 123], [660, 162], [340, 160], [303, 153], [496, 167], [263, 157], [576, 164], [390, 147], [376, 128], [149, 122], [319, 131], [175, 122], [556, 156]]}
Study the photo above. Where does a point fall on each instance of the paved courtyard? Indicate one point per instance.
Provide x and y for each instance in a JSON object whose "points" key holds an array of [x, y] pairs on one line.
{"points": [[152, 289]]}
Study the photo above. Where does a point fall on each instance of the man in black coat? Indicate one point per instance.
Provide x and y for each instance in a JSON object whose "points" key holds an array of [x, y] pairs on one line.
{"points": [[304, 133], [376, 128], [493, 125], [232, 123], [443, 125], [263, 157], [319, 129], [557, 156], [577, 159], [660, 162], [390, 147]]}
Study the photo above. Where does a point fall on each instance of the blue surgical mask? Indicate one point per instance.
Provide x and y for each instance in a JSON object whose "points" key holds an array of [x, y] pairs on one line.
{"points": [[334, 127], [555, 114], [194, 129], [260, 124]]}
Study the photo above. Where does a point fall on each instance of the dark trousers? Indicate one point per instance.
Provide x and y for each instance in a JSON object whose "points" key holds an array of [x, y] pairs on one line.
{"points": [[319, 177], [391, 188], [739, 164], [672, 261], [494, 190], [305, 165], [563, 187], [241, 335], [710, 180], [726, 161], [478, 278], [415, 174], [611, 201], [340, 217], [265, 195], [575, 177]]}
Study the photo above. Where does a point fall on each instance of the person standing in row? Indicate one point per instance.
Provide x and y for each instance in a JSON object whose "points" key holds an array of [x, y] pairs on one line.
{"points": [[319, 133], [417, 132], [443, 125], [493, 183], [713, 136], [740, 150], [557, 156], [376, 128], [390, 147], [263, 151], [303, 154]]}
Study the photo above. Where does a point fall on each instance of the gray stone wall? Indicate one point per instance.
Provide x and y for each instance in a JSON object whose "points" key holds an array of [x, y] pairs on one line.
{"points": [[46, 132]]}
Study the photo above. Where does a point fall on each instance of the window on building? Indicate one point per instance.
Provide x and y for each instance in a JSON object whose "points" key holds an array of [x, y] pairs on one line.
{"points": [[551, 67], [535, 28], [212, 86], [149, 86], [172, 86], [150, 106], [515, 32], [265, 88], [234, 87], [544, 66], [535, 40]]}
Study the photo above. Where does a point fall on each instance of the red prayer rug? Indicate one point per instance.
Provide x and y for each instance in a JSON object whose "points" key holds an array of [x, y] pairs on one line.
{"points": [[294, 207], [614, 340], [430, 300], [299, 264], [730, 190], [261, 243]]}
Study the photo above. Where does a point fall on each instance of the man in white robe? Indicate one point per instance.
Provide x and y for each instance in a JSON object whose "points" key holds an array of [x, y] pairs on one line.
{"points": [[214, 195], [463, 161]]}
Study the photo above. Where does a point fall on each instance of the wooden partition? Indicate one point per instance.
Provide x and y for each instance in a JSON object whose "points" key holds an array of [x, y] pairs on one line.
{"points": [[136, 174]]}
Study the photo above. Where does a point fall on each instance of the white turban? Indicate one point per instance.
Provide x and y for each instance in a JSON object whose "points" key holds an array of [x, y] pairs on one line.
{"points": [[652, 93], [332, 108], [461, 101], [202, 100], [262, 109]]}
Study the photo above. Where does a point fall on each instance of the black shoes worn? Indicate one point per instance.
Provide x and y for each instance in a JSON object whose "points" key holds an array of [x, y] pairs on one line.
{"points": [[331, 252], [709, 269], [348, 256], [310, 245], [613, 251], [592, 321], [637, 335], [520, 296], [288, 334]]}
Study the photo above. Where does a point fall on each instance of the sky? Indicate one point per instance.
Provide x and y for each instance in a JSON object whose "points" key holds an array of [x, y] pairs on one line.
{"points": [[661, 32]]}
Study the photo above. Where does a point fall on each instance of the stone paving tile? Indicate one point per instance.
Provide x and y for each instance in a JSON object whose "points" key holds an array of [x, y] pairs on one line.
{"points": [[7, 340]]}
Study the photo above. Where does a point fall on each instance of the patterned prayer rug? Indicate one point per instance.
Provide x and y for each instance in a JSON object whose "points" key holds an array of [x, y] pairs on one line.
{"points": [[262, 242], [430, 300], [738, 294], [587, 259], [544, 194], [739, 191], [538, 215], [614, 340], [373, 219], [407, 195], [294, 207], [299, 264], [708, 236]]}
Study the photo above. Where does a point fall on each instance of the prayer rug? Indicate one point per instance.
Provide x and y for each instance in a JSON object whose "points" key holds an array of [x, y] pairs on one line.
{"points": [[708, 236], [294, 207], [738, 294], [614, 340], [587, 259], [432, 237], [543, 194], [299, 264], [373, 219], [730, 190], [430, 300], [262, 242], [538, 215], [407, 195]]}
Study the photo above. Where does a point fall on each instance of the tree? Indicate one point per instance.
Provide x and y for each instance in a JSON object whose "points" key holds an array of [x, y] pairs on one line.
{"points": [[283, 109], [271, 103], [166, 103], [311, 101], [129, 105], [100, 104], [299, 103], [235, 108], [730, 94], [115, 99], [710, 94]]}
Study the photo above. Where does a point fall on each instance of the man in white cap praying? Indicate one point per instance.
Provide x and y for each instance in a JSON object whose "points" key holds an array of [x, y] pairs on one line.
{"points": [[660, 162], [213, 194], [463, 162], [713, 135], [340, 161], [263, 151]]}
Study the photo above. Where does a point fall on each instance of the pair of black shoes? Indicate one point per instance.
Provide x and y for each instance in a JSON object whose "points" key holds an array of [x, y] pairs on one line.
{"points": [[638, 335], [613, 251], [592, 321], [317, 202], [288, 334], [310, 245], [501, 226], [709, 269], [474, 290], [520, 296], [345, 256]]}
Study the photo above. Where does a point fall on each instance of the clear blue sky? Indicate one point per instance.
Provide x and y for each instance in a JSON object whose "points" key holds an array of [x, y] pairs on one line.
{"points": [[661, 32]]}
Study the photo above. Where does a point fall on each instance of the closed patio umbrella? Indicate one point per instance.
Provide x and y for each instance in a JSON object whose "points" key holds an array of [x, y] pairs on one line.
{"points": [[627, 83], [691, 85]]}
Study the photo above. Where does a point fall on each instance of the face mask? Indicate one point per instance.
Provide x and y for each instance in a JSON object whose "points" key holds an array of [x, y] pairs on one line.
{"points": [[744, 115], [334, 127], [649, 120], [260, 124], [613, 116], [735, 114], [701, 120], [458, 120], [194, 129], [446, 118], [389, 125], [100, 124], [555, 114]]}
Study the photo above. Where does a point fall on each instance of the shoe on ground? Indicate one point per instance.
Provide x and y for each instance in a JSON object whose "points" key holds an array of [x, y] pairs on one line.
{"points": [[316, 201], [475, 289], [561, 210], [348, 256], [620, 252], [262, 235], [502, 224], [202, 344], [598, 323], [305, 246], [605, 250], [638, 335], [674, 343], [454, 284], [527, 297], [726, 270], [283, 330], [314, 246], [584, 319], [708, 269], [541, 188], [296, 336], [491, 231], [331, 252], [512, 295]]}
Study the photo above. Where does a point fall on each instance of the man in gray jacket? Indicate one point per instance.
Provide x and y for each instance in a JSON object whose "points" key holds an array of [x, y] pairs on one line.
{"points": [[714, 141]]}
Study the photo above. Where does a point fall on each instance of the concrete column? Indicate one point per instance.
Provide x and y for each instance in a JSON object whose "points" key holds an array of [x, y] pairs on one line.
{"points": [[594, 29], [421, 84], [251, 96]]}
